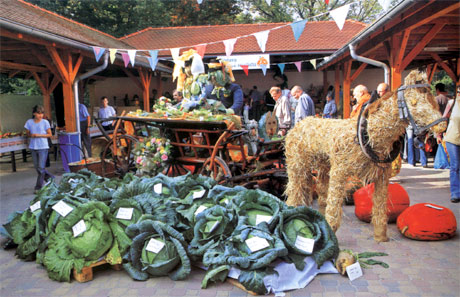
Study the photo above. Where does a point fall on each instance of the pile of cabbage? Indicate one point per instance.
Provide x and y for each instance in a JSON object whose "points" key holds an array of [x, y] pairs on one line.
{"points": [[158, 226]]}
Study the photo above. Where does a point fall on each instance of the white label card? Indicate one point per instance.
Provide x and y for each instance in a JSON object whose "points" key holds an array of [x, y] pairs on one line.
{"points": [[62, 208], [256, 243], [354, 271], [304, 244], [154, 246], [432, 206], [200, 209], [158, 188], [35, 206], [262, 218], [214, 227], [125, 213], [79, 228], [198, 194]]}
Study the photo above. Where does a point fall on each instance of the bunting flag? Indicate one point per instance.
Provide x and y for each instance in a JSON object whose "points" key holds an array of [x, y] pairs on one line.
{"points": [[340, 15], [199, 1], [327, 2], [269, 2], [264, 68], [125, 59], [113, 53], [385, 4], [313, 62], [262, 39], [201, 48], [297, 28], [132, 56], [245, 69], [98, 52], [153, 59], [298, 64], [197, 66], [281, 67], [175, 53], [229, 44]]}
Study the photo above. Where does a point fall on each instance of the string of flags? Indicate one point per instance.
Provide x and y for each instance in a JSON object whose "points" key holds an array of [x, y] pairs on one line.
{"points": [[339, 15]]}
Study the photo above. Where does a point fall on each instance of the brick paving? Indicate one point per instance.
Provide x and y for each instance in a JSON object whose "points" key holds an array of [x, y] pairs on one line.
{"points": [[417, 268]]}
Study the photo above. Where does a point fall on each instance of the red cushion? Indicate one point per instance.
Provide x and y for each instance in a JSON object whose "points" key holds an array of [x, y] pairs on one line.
{"points": [[423, 222], [398, 201]]}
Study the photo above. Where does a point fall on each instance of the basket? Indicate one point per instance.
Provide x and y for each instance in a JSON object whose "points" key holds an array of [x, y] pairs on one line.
{"points": [[92, 164]]}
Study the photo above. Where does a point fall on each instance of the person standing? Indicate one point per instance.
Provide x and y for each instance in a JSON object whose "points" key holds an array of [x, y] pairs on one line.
{"points": [[256, 99], [106, 111], [330, 109], [282, 110], [85, 120], [305, 106], [361, 94], [38, 131], [452, 139], [441, 97]]}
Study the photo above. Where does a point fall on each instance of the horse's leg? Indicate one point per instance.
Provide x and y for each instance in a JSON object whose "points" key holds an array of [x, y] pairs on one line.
{"points": [[379, 208], [335, 197], [298, 189], [322, 186]]}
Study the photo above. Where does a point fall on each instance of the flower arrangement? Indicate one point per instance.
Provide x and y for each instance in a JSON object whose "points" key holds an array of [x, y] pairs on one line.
{"points": [[163, 103], [152, 155]]}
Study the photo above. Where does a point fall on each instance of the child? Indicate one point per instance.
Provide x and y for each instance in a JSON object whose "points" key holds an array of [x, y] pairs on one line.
{"points": [[329, 109]]}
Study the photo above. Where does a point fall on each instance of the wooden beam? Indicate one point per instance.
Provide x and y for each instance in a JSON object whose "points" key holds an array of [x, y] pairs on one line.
{"points": [[429, 15], [421, 45], [76, 67], [146, 77], [346, 89], [13, 73], [401, 49], [444, 66], [61, 67], [45, 61], [40, 83], [358, 71], [24, 67], [337, 84], [133, 78]]}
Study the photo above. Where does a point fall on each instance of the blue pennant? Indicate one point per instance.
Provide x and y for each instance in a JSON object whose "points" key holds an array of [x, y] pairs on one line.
{"points": [[281, 67], [264, 68], [98, 52], [297, 28], [153, 59]]}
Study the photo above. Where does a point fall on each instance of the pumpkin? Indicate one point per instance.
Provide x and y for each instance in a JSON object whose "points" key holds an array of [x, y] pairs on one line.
{"points": [[427, 221], [397, 202]]}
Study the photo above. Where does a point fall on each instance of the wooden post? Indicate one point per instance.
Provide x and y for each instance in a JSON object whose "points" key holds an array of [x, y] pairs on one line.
{"points": [[159, 84], [346, 89], [146, 78], [337, 84], [47, 88], [325, 84]]}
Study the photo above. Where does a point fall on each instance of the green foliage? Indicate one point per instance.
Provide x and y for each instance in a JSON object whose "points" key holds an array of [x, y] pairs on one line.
{"points": [[442, 77], [18, 86]]}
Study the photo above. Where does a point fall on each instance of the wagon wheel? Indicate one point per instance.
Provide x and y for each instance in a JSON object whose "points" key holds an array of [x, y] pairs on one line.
{"points": [[124, 161], [219, 170], [176, 168]]}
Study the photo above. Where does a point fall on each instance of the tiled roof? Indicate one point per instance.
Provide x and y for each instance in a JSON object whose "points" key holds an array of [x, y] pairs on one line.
{"points": [[322, 36], [27, 14]]}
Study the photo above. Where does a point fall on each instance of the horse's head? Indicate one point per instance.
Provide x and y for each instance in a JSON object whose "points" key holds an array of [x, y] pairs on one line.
{"points": [[421, 102]]}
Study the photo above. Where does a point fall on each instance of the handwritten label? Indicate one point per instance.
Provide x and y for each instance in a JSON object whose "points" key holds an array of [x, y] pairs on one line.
{"points": [[62, 208], [256, 243], [354, 271], [125, 213], [226, 201], [71, 180], [158, 188], [79, 228], [435, 207], [154, 246], [214, 227], [198, 194], [35, 206], [200, 209], [201, 119], [304, 244], [262, 218]]}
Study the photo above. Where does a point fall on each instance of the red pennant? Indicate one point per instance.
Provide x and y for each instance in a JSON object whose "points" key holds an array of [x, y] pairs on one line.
{"points": [[201, 48], [245, 69], [327, 2]]}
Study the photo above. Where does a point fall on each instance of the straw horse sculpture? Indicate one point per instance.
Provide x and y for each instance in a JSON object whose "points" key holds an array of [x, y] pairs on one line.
{"points": [[330, 147]]}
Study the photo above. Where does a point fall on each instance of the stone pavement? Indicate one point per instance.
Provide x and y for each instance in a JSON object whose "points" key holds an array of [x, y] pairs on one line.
{"points": [[417, 268]]}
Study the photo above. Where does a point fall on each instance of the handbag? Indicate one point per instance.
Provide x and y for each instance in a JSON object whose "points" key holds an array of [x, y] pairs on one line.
{"points": [[440, 160]]}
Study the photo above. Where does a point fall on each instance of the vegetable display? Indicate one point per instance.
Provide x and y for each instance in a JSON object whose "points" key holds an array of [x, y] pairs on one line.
{"points": [[157, 226]]}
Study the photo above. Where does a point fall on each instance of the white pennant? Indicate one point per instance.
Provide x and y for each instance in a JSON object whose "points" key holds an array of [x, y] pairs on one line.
{"points": [[262, 39], [197, 65], [385, 4], [175, 53], [132, 56], [229, 44], [313, 62], [269, 2], [340, 15]]}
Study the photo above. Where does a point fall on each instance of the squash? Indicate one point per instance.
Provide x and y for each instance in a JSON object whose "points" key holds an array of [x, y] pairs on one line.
{"points": [[427, 221], [398, 201]]}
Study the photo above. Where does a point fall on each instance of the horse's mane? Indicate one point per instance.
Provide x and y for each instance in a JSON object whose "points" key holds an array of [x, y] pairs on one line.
{"points": [[374, 106]]}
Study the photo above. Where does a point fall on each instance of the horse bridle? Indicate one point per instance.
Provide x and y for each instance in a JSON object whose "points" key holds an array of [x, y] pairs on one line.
{"points": [[404, 114]]}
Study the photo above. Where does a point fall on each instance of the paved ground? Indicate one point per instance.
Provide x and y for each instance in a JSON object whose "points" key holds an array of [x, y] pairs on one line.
{"points": [[416, 268]]}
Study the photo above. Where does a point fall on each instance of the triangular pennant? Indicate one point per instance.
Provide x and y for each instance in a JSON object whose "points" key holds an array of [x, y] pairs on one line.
{"points": [[201, 48], [340, 15], [262, 39], [98, 52], [269, 2], [298, 64], [229, 44], [313, 62], [281, 67], [385, 4], [199, 1], [245, 69], [297, 28], [113, 54], [132, 56], [197, 66], [153, 59], [264, 68], [175, 53], [327, 2], [125, 59]]}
